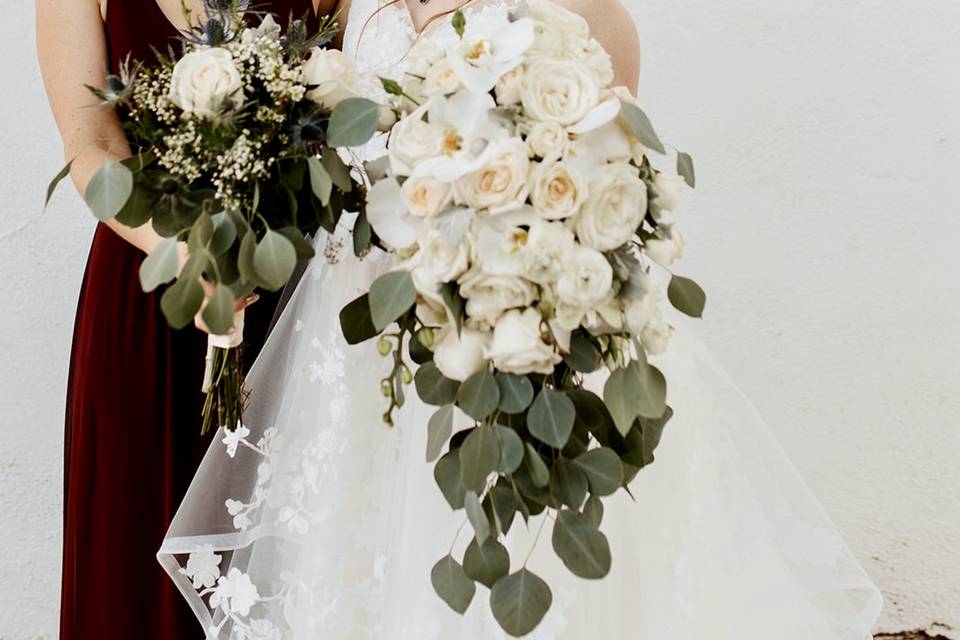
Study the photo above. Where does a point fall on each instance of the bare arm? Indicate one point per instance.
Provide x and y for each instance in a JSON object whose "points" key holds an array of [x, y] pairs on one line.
{"points": [[73, 52], [612, 25]]}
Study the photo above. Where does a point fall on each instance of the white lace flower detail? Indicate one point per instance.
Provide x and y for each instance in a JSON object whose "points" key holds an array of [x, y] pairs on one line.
{"points": [[203, 567], [235, 593], [234, 438]]}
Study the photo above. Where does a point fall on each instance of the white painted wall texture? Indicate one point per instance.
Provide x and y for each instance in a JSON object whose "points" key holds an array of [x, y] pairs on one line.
{"points": [[825, 229]]}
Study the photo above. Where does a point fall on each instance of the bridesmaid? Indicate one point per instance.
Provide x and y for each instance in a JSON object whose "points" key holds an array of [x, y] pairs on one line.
{"points": [[133, 398]]}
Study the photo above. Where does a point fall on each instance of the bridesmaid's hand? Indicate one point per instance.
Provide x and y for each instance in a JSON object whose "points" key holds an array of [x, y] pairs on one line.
{"points": [[208, 288]]}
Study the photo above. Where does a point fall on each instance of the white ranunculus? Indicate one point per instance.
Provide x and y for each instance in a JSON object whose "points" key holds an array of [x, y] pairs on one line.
{"points": [[521, 346], [446, 263], [558, 190], [547, 250], [667, 246], [333, 76], [656, 336], [598, 61], [426, 196], [586, 280], [441, 79], [547, 139], [205, 81], [559, 91], [558, 32], [412, 141], [614, 209], [489, 295], [667, 188], [501, 184], [510, 87], [460, 356], [641, 299], [480, 60]]}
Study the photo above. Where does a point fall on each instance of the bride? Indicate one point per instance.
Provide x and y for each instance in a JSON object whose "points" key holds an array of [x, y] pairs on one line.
{"points": [[315, 520]]}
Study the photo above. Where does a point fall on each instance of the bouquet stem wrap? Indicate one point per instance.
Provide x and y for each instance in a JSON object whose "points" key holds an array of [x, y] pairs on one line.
{"points": [[223, 378]]}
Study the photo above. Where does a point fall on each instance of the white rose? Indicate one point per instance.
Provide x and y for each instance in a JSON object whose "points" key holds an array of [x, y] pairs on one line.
{"points": [[423, 55], [413, 140], [445, 263], [489, 295], [520, 345], [205, 81], [460, 356], [558, 32], [548, 248], [667, 246], [425, 196], [598, 61], [615, 208], [510, 86], [641, 298], [333, 74], [667, 188], [501, 184], [586, 280], [547, 139], [441, 79], [558, 190], [559, 91], [656, 336]]}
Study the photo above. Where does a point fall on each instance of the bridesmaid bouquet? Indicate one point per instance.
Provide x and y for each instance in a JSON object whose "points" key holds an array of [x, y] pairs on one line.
{"points": [[234, 144], [531, 231]]}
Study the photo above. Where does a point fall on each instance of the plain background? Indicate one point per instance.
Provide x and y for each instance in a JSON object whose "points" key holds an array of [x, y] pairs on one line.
{"points": [[825, 229]]}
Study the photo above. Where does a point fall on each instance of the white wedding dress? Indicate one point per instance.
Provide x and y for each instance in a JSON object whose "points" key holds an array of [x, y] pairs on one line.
{"points": [[317, 521]]}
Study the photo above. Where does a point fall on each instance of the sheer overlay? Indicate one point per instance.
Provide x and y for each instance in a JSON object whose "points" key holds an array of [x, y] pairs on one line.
{"points": [[316, 520]]}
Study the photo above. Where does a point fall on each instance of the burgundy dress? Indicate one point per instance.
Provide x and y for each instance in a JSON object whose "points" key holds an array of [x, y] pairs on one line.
{"points": [[133, 408]]}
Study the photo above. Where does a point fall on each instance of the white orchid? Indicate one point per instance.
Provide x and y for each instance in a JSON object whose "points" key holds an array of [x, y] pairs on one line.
{"points": [[479, 59], [389, 215]]}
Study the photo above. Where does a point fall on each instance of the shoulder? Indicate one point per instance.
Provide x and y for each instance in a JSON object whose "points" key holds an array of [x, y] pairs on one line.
{"points": [[613, 26]]}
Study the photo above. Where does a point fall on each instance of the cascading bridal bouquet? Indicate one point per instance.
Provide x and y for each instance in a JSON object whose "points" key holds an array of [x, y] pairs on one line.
{"points": [[234, 159], [530, 230]]}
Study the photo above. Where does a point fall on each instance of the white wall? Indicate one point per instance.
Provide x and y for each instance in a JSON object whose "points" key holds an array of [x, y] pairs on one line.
{"points": [[827, 135]]}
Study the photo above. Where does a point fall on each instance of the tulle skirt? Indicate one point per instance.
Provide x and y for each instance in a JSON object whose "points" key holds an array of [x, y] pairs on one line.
{"points": [[319, 521]]}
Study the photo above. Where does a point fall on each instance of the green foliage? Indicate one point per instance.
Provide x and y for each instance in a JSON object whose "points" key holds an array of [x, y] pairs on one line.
{"points": [[433, 388], [486, 562], [519, 601], [479, 396], [551, 418], [353, 122], [516, 392], [160, 267], [685, 168], [439, 430], [356, 321], [219, 312], [581, 545], [633, 391], [452, 584], [686, 296], [479, 457], [640, 126], [109, 189], [274, 260], [477, 517], [391, 296]]}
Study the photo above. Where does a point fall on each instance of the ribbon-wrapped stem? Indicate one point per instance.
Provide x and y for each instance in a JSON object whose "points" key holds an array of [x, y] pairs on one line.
{"points": [[223, 379]]}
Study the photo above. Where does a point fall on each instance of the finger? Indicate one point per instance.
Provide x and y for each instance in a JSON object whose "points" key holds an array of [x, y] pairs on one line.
{"points": [[243, 303], [200, 324]]}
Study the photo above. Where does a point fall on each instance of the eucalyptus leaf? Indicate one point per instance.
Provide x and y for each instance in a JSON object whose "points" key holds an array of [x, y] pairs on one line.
{"points": [[487, 562], [686, 296], [274, 260], [477, 517], [511, 449], [569, 483], [139, 207], [582, 546], [355, 320], [539, 473], [519, 601], [479, 456], [57, 179], [362, 234], [593, 511], [584, 356], [353, 122], [339, 172], [300, 244], [220, 310], [516, 392], [551, 418], [320, 181], [501, 506], [685, 168], [439, 430], [224, 233], [446, 473], [161, 266], [391, 296], [181, 301], [452, 584], [640, 126], [109, 189], [433, 388], [636, 390], [479, 396], [248, 245], [603, 470]]}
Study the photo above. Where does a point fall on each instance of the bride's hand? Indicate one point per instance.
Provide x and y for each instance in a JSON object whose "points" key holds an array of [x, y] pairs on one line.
{"points": [[208, 289]]}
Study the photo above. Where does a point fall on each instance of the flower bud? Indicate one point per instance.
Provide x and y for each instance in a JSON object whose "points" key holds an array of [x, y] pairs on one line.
{"points": [[384, 346]]}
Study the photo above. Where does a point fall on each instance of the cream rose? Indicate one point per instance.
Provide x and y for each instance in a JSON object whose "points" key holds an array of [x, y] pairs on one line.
{"points": [[656, 336], [667, 188], [489, 295], [547, 139], [558, 32], [444, 262], [333, 76], [586, 280], [558, 190], [460, 356], [509, 87], [559, 91], [502, 182], [667, 246], [545, 255], [425, 196], [521, 346], [206, 81], [412, 141], [615, 208], [441, 79]]}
